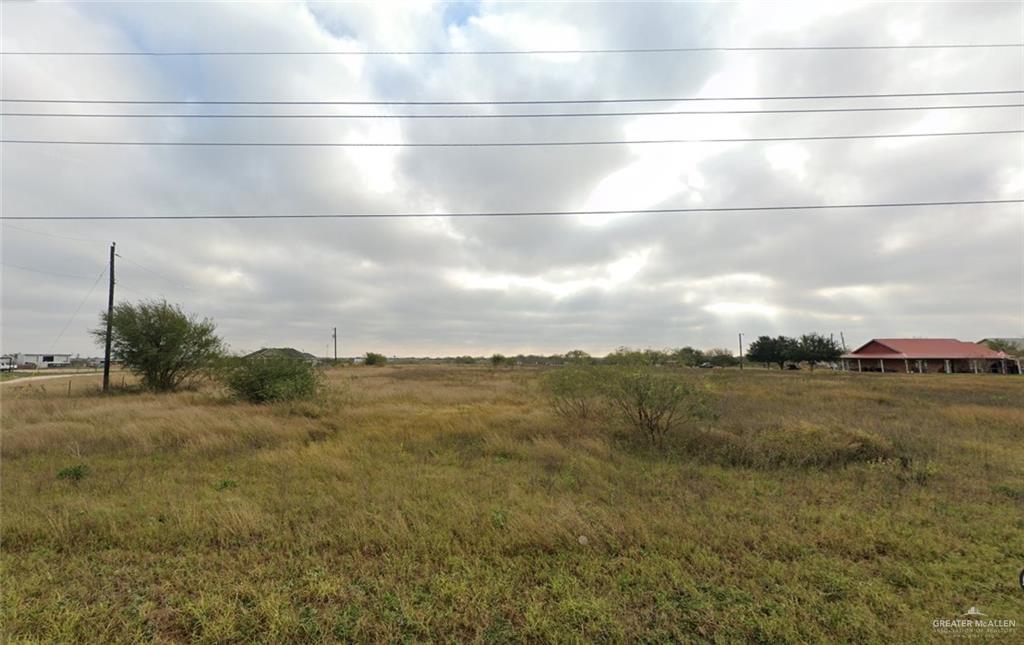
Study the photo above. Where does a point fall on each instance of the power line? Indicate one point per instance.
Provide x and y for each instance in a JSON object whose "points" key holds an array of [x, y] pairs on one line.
{"points": [[498, 144], [61, 237], [60, 275], [520, 52], [484, 214], [504, 116], [121, 285], [77, 309], [516, 102], [156, 273]]}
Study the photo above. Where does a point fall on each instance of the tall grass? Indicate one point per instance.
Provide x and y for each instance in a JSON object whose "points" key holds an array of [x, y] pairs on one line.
{"points": [[452, 503]]}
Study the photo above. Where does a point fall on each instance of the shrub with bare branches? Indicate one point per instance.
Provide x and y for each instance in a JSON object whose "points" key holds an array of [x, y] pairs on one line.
{"points": [[652, 401]]}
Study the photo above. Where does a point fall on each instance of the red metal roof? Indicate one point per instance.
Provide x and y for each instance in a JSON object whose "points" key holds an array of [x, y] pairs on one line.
{"points": [[914, 348]]}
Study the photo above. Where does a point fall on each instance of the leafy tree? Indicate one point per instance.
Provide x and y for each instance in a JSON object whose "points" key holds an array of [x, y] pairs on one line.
{"points": [[688, 356], [260, 380], [762, 350], [497, 360], [1015, 349], [158, 341], [623, 356], [778, 350], [578, 356], [373, 358], [814, 347], [721, 357]]}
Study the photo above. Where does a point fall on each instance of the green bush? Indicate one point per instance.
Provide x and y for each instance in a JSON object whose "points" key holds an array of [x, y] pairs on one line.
{"points": [[162, 344], [574, 391], [74, 473], [652, 401], [261, 380], [373, 358]]}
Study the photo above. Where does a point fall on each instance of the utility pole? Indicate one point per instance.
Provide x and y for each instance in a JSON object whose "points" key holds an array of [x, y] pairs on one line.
{"points": [[335, 337], [741, 350], [110, 321], [842, 340]]}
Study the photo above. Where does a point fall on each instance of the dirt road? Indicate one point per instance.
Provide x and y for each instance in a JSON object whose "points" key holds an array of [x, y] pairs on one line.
{"points": [[48, 377]]}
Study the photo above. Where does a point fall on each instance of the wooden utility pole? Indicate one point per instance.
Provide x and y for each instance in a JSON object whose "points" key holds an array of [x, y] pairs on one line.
{"points": [[335, 337], [110, 322], [741, 351]]}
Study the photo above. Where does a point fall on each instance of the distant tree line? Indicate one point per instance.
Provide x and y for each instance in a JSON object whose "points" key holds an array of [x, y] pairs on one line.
{"points": [[686, 356], [780, 350]]}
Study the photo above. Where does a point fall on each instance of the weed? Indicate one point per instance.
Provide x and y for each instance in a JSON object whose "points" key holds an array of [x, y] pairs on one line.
{"points": [[74, 474], [499, 518]]}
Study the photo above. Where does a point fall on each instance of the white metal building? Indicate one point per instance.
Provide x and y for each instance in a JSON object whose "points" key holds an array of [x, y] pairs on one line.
{"points": [[42, 360]]}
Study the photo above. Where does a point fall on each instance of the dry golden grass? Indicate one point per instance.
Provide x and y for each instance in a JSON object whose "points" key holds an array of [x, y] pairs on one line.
{"points": [[451, 503]]}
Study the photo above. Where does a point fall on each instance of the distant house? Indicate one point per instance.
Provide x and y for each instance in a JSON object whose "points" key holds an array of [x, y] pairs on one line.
{"points": [[7, 363], [34, 361], [923, 355], [284, 352]]}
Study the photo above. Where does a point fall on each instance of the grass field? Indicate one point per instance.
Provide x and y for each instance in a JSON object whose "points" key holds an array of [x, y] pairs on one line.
{"points": [[450, 503]]}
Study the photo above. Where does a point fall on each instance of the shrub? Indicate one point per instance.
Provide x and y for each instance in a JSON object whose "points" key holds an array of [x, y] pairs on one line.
{"points": [[688, 356], [74, 473], [721, 357], [260, 380], [574, 391], [497, 360], [373, 358], [653, 402], [627, 356], [160, 343]]}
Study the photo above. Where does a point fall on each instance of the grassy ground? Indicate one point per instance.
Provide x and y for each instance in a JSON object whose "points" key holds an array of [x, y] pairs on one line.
{"points": [[446, 503]]}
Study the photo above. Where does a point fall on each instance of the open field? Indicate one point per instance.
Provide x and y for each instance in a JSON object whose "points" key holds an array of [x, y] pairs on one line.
{"points": [[449, 503]]}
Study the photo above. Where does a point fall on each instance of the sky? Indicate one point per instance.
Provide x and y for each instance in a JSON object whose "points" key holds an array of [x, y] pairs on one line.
{"points": [[451, 286]]}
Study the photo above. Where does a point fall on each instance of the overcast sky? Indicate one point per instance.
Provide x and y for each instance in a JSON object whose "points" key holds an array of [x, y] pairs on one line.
{"points": [[444, 286]]}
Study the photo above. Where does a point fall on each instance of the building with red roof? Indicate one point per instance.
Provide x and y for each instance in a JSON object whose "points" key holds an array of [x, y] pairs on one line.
{"points": [[923, 355]]}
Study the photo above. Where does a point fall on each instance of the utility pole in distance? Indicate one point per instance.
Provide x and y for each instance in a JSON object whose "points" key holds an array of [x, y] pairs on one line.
{"points": [[335, 337], [741, 350], [110, 321]]}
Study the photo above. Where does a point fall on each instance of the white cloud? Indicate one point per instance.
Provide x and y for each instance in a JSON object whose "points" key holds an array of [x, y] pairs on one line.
{"points": [[732, 309], [443, 284], [562, 284]]}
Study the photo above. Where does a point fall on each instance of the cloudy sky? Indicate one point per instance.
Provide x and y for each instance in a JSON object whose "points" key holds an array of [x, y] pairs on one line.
{"points": [[444, 286]]}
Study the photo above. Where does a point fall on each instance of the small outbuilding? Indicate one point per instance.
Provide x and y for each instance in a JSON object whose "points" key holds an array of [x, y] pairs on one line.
{"points": [[922, 355], [37, 361]]}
